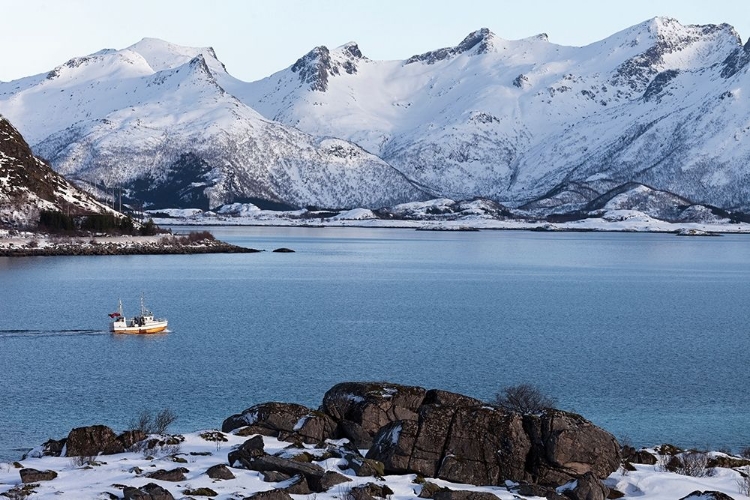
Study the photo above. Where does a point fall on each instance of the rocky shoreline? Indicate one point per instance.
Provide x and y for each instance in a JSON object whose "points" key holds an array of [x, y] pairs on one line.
{"points": [[164, 245], [367, 440]]}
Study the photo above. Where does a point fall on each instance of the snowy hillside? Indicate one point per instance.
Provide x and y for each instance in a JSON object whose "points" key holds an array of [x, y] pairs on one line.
{"points": [[658, 103], [154, 119], [525, 122], [28, 185]]}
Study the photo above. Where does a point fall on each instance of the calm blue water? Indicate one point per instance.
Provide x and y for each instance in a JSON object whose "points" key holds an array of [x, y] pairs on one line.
{"points": [[644, 334]]}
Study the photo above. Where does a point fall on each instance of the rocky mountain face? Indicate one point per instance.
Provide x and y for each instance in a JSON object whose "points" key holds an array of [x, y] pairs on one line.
{"points": [[28, 185], [528, 121], [525, 123], [155, 119]]}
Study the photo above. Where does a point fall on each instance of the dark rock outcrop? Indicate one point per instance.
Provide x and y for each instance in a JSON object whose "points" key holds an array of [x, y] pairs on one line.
{"points": [[476, 445], [283, 420], [91, 441], [173, 475], [298, 486], [706, 495], [318, 479], [129, 438], [53, 448], [362, 408], [252, 448], [536, 490], [433, 433], [219, 471], [486, 445], [588, 487], [34, 476], [428, 490], [567, 446], [446, 494], [151, 491], [361, 466], [270, 495], [370, 491], [637, 456]]}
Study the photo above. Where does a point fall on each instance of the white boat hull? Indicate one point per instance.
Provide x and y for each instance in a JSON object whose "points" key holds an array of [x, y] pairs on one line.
{"points": [[155, 327]]}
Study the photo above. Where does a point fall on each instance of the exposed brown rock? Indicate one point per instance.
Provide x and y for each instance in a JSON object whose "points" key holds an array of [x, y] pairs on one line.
{"points": [[34, 476], [287, 421], [362, 408], [173, 475], [151, 491], [91, 441], [219, 471]]}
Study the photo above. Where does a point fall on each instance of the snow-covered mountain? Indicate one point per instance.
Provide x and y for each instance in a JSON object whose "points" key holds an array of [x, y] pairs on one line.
{"points": [[658, 103], [29, 186], [524, 122], [154, 118]]}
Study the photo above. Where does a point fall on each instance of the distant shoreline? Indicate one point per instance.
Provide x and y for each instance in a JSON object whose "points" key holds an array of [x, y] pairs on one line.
{"points": [[47, 247], [685, 229]]}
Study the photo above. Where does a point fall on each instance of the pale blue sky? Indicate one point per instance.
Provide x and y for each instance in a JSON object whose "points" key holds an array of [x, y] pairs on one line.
{"points": [[256, 38]]}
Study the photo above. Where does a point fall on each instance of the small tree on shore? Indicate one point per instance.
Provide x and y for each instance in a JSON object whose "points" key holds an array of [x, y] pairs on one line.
{"points": [[149, 423], [524, 399]]}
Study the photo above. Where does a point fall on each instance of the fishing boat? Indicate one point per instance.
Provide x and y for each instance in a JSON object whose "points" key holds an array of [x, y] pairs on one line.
{"points": [[145, 323]]}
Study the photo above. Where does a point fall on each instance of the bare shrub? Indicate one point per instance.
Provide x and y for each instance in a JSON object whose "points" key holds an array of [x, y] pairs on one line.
{"points": [[524, 399], [745, 452], [163, 420], [694, 464], [149, 423], [743, 482], [80, 461]]}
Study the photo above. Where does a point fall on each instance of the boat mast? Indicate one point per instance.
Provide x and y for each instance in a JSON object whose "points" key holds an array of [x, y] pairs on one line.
{"points": [[119, 307]]}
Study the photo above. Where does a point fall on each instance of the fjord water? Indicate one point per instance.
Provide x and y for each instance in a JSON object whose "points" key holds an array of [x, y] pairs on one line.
{"points": [[644, 334]]}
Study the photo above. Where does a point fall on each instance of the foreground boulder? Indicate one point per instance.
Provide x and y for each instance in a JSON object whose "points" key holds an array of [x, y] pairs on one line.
{"points": [[488, 445], [475, 445], [370, 491], [362, 408], [287, 421], [707, 495], [34, 476], [251, 448], [317, 478], [219, 471], [434, 433], [567, 446], [270, 495], [173, 475], [96, 439], [91, 441], [151, 491]]}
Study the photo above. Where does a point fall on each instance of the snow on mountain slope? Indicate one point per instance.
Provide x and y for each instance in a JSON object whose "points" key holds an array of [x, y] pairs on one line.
{"points": [[524, 122], [154, 114], [28, 185], [513, 120]]}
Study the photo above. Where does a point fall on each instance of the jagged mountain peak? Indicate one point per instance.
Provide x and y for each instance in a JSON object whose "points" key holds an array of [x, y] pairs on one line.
{"points": [[668, 45], [350, 49], [480, 41], [315, 67]]}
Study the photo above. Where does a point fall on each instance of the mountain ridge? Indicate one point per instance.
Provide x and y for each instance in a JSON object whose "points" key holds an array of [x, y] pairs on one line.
{"points": [[658, 103]]}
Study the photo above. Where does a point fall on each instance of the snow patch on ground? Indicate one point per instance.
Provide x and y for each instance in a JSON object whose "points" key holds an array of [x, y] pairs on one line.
{"points": [[111, 472]]}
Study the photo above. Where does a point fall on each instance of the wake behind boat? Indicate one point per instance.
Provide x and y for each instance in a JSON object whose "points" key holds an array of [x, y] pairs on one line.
{"points": [[145, 323]]}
